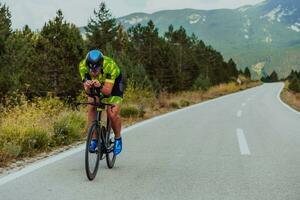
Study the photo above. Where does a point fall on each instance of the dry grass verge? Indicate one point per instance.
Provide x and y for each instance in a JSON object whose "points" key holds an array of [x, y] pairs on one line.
{"points": [[291, 98], [40, 126]]}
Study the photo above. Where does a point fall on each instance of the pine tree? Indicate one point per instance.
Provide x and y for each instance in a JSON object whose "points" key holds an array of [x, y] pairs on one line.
{"points": [[232, 70], [5, 31], [60, 49], [144, 39], [103, 30], [21, 57], [5, 26], [273, 77], [247, 73], [186, 68]]}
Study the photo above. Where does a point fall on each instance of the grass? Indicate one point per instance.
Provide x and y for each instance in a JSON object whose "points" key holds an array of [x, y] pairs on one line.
{"points": [[30, 128], [291, 98], [129, 111]]}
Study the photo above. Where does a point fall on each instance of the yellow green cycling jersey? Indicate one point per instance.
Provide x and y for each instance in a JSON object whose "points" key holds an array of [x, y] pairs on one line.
{"points": [[109, 71]]}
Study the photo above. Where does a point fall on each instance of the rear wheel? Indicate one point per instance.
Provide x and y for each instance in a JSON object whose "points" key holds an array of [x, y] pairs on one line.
{"points": [[92, 159], [109, 141]]}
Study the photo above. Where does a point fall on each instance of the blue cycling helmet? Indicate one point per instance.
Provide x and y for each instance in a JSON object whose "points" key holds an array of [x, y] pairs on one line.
{"points": [[94, 60]]}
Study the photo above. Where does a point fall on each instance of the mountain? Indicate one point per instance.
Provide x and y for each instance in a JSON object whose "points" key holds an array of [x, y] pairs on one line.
{"points": [[267, 33]]}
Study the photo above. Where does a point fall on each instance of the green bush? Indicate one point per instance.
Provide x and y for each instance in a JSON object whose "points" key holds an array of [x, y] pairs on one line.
{"points": [[9, 147], [9, 134], [9, 151], [202, 83], [184, 103], [131, 111], [24, 140], [34, 139], [142, 111], [3, 158], [68, 128], [295, 85], [174, 105]]}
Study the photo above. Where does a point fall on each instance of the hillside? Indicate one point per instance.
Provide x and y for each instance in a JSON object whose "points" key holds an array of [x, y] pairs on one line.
{"points": [[268, 32]]}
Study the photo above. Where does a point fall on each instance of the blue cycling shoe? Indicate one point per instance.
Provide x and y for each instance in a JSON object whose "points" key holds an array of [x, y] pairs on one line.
{"points": [[118, 146], [93, 146]]}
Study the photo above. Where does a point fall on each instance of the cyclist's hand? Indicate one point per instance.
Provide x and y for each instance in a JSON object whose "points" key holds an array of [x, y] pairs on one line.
{"points": [[96, 83], [88, 84]]}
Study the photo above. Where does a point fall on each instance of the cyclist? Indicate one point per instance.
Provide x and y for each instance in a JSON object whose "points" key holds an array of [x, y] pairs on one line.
{"points": [[99, 71]]}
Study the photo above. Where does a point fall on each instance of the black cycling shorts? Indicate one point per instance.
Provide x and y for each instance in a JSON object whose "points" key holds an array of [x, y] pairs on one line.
{"points": [[118, 88]]}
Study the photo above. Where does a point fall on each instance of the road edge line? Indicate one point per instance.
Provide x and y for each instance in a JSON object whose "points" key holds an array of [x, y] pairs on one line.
{"points": [[283, 103]]}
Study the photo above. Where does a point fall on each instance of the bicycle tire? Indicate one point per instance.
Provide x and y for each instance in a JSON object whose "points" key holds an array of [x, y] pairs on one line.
{"points": [[91, 173], [110, 156]]}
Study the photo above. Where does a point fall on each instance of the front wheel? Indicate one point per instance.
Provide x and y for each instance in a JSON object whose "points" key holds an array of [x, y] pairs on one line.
{"points": [[92, 159], [109, 141]]}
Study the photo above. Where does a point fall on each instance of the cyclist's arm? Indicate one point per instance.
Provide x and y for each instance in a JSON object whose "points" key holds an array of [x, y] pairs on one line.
{"points": [[85, 77], [83, 71], [87, 85], [107, 88], [111, 76], [87, 82]]}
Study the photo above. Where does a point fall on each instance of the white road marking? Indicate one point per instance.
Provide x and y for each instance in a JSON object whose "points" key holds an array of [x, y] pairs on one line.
{"points": [[239, 113], [244, 149], [243, 104]]}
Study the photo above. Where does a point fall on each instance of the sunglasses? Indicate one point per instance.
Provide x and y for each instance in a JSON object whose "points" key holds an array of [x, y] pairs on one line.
{"points": [[94, 68]]}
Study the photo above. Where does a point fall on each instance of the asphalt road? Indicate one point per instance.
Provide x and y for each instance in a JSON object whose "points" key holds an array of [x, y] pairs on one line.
{"points": [[241, 146]]}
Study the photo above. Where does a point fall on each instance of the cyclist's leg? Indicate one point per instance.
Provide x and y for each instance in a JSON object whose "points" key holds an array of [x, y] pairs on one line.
{"points": [[113, 113]]}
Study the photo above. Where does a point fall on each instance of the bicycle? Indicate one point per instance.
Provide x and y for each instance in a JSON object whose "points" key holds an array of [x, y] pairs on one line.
{"points": [[103, 134]]}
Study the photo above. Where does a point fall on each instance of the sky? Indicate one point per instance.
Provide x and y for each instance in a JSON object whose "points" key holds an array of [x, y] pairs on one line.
{"points": [[36, 12]]}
